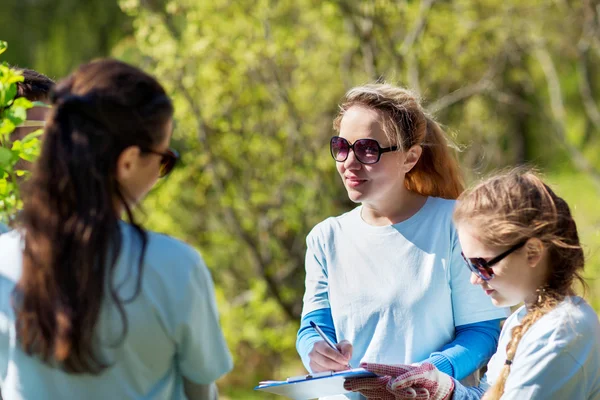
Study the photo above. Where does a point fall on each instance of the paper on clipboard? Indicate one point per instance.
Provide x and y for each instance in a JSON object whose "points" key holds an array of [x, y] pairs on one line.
{"points": [[312, 386]]}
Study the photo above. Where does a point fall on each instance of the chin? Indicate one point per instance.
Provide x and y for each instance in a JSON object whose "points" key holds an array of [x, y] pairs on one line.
{"points": [[355, 197], [502, 302]]}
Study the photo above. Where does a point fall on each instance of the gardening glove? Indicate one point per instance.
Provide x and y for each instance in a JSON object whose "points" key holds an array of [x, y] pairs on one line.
{"points": [[378, 388], [426, 380]]}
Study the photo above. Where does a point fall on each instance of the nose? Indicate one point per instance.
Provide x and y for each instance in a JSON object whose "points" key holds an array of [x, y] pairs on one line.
{"points": [[351, 162], [475, 279]]}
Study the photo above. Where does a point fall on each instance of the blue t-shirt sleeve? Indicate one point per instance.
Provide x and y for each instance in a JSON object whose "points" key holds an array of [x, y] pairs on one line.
{"points": [[307, 336], [471, 349], [466, 392], [316, 294], [202, 352]]}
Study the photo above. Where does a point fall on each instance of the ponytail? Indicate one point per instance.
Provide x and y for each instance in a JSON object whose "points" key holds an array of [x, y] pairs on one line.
{"points": [[437, 172]]}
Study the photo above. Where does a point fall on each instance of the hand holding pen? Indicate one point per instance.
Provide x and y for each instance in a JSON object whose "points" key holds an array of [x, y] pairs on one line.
{"points": [[328, 356]]}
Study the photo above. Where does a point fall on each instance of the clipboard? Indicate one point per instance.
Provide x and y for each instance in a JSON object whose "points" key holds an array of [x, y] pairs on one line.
{"points": [[312, 386]]}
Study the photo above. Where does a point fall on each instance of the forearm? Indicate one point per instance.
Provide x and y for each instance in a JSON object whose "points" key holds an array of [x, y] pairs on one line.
{"points": [[307, 336], [466, 392], [472, 347], [195, 391]]}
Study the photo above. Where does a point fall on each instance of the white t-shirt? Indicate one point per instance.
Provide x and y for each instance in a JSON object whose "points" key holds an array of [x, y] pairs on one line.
{"points": [[396, 292], [173, 329], [557, 358]]}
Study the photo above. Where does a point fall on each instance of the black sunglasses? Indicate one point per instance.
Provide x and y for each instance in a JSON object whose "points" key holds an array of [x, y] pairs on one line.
{"points": [[367, 151], [167, 162], [483, 268]]}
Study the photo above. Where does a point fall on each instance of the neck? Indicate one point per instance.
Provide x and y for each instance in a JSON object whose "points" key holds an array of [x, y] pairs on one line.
{"points": [[393, 211], [539, 280]]}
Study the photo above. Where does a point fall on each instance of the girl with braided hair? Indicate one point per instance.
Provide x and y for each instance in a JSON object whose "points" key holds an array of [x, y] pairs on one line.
{"points": [[520, 242]]}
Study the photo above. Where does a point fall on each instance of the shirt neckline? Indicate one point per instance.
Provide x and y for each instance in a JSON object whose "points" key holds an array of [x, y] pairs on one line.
{"points": [[392, 228]]}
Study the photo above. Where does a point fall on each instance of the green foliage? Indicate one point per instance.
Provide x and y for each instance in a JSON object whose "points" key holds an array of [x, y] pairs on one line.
{"points": [[12, 113], [53, 37]]}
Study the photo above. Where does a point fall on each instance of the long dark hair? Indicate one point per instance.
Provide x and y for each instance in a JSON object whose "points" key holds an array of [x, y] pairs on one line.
{"points": [[70, 213]]}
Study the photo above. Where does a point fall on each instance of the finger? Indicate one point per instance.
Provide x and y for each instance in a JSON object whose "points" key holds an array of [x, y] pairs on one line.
{"points": [[327, 352], [422, 393], [345, 348], [324, 364], [356, 384], [416, 393], [412, 377], [321, 363], [386, 369]]}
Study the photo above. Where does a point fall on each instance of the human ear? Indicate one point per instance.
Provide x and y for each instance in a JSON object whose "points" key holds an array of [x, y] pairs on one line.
{"points": [[411, 157], [127, 164], [535, 251]]}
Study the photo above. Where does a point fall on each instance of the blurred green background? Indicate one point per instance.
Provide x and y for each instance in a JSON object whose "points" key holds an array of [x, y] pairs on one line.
{"points": [[256, 85]]}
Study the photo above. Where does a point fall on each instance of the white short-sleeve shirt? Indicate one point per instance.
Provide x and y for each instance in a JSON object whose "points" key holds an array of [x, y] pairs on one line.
{"points": [[173, 329], [557, 358]]}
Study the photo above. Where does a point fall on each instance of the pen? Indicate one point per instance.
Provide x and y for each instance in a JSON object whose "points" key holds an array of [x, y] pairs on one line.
{"points": [[326, 339]]}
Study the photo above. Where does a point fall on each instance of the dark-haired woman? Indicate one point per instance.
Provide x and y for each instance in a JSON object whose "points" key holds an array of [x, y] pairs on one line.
{"points": [[90, 306]]}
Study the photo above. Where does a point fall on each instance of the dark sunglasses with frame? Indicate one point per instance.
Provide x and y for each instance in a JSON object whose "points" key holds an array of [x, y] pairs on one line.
{"points": [[167, 161], [366, 151], [483, 268]]}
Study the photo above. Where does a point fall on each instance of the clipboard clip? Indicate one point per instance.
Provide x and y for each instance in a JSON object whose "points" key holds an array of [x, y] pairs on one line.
{"points": [[301, 378]]}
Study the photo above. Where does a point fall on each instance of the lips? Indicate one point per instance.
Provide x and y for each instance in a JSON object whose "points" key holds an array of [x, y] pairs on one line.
{"points": [[354, 181], [489, 291]]}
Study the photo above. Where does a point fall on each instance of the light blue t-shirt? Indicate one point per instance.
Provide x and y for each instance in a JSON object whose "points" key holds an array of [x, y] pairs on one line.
{"points": [[396, 292], [173, 329], [3, 228], [557, 358]]}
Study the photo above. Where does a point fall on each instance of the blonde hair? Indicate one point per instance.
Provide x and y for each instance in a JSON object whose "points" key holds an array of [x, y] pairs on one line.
{"points": [[511, 208], [406, 124]]}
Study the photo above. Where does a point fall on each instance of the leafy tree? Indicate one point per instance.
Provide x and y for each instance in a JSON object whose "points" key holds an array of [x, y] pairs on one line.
{"points": [[53, 37], [12, 113]]}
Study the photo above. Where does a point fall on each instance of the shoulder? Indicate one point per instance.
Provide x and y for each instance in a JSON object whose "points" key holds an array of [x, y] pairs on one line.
{"points": [[571, 325], [574, 317], [11, 249], [166, 257], [170, 249], [441, 207], [325, 229], [436, 216]]}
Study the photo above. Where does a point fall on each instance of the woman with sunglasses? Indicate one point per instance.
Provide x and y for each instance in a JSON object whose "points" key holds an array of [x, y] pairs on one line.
{"points": [[91, 306], [386, 279], [521, 244]]}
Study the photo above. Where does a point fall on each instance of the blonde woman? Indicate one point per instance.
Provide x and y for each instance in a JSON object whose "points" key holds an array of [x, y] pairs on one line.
{"points": [[521, 244], [386, 280]]}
